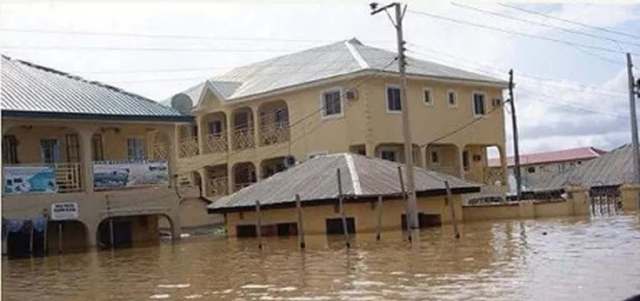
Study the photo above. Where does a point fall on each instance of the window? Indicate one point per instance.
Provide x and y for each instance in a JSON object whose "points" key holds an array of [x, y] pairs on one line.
{"points": [[465, 160], [9, 149], [332, 103], [394, 104], [96, 141], [335, 226], [215, 127], [428, 100], [478, 104], [388, 155], [531, 169], [49, 150], [452, 99], [281, 118], [135, 149], [435, 157], [72, 147]]}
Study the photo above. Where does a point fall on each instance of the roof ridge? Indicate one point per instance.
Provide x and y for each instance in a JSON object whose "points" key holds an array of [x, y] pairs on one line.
{"points": [[355, 53], [80, 79]]}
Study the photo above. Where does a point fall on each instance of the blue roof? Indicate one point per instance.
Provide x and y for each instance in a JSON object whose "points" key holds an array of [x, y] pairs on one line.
{"points": [[30, 90]]}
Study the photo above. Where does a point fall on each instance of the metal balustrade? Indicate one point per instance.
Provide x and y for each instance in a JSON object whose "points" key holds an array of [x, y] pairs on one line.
{"points": [[274, 133], [188, 147], [218, 186], [217, 143], [243, 138]]}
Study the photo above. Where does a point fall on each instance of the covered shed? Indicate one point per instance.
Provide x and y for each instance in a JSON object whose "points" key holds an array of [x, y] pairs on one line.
{"points": [[363, 181]]}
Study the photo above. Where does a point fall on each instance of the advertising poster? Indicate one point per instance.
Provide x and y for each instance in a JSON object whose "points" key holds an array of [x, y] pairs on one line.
{"points": [[29, 179], [129, 174]]}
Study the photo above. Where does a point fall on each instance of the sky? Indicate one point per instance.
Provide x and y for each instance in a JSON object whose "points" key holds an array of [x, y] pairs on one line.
{"points": [[570, 92]]}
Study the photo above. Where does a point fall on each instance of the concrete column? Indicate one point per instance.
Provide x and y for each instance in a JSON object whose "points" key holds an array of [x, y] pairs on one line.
{"points": [[202, 135], [630, 194], [461, 161], [258, 171], [204, 177], [503, 166], [256, 126], [370, 149], [86, 157], [173, 133], [230, 180], [230, 131], [579, 196]]}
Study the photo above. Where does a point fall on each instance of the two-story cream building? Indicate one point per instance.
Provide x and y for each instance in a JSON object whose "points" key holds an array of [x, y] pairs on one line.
{"points": [[83, 163], [261, 118]]}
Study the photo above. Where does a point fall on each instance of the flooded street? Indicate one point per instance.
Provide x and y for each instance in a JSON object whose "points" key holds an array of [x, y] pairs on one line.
{"points": [[551, 259]]}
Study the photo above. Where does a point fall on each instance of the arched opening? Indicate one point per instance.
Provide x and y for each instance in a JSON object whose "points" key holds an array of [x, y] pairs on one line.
{"points": [[275, 165], [67, 237], [217, 181], [443, 158], [244, 174], [214, 132], [243, 127], [274, 122], [134, 230]]}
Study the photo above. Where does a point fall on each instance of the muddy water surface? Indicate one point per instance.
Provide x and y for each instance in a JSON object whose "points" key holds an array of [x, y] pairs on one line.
{"points": [[550, 259]]}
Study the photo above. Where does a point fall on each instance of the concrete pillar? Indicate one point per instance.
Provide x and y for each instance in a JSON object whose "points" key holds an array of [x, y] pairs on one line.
{"points": [[370, 149], [230, 132], [256, 126], [461, 162], [202, 135], [173, 133], [630, 194], [204, 177], [503, 165], [230, 178], [258, 170], [86, 157], [579, 196]]}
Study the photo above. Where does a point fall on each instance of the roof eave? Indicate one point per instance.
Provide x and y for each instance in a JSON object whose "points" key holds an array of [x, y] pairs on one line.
{"points": [[89, 117]]}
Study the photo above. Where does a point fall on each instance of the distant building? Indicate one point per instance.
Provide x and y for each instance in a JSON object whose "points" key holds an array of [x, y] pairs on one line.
{"points": [[81, 158], [538, 168]]}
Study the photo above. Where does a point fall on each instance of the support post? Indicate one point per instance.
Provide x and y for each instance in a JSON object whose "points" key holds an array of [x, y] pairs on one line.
{"points": [[406, 129], [404, 198], [259, 224], [46, 226], [345, 230], [300, 223], [452, 208], [59, 237], [379, 226], [634, 122], [516, 146]]}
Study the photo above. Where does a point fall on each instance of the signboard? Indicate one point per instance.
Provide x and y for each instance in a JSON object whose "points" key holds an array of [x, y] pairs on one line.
{"points": [[64, 211], [108, 175], [29, 179]]}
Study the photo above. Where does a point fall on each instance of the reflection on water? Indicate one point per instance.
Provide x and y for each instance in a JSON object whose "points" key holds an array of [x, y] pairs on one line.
{"points": [[554, 259]]}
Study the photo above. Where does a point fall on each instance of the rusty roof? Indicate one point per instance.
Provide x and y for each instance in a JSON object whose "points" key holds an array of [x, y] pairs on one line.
{"points": [[315, 180], [572, 154]]}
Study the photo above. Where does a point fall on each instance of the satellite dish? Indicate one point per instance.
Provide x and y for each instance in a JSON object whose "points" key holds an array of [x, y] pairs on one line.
{"points": [[182, 103]]}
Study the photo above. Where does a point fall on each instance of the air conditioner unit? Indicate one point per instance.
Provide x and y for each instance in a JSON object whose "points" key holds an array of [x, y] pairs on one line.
{"points": [[289, 161], [351, 94]]}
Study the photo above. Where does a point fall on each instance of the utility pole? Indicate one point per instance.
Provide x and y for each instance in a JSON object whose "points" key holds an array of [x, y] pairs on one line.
{"points": [[412, 218], [634, 122], [516, 147]]}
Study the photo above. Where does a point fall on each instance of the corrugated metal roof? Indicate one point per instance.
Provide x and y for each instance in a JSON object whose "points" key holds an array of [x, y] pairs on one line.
{"points": [[321, 63], [30, 88], [315, 180], [611, 169], [573, 154]]}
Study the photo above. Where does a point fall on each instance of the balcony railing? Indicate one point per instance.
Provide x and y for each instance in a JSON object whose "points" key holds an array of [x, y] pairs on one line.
{"points": [[218, 186], [239, 186], [273, 133], [493, 175], [42, 178], [243, 138], [188, 147], [110, 175], [217, 143]]}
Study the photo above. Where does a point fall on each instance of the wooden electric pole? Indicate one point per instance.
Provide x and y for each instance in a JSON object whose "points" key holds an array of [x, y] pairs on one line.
{"points": [[634, 123], [516, 147], [412, 217]]}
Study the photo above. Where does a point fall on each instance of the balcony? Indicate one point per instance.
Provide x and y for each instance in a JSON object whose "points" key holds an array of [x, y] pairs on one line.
{"points": [[188, 147], [243, 138], [42, 178], [274, 133], [217, 143], [113, 175]]}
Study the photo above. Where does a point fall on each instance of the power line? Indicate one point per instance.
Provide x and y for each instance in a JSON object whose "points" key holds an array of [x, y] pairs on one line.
{"points": [[482, 67], [611, 31], [528, 35], [586, 34]]}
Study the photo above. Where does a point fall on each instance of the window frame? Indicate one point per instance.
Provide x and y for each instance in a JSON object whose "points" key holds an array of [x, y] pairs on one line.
{"points": [[455, 98], [10, 149], [432, 101], [56, 156], [386, 98], [144, 149], [323, 113], [473, 104]]}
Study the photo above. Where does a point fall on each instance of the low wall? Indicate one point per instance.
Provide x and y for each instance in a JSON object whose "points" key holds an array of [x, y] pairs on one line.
{"points": [[364, 214]]}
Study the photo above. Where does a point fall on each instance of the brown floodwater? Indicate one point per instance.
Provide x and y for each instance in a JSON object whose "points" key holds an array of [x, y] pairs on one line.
{"points": [[548, 259]]}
